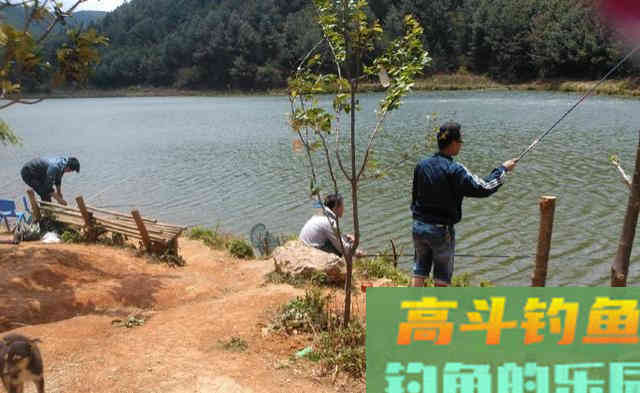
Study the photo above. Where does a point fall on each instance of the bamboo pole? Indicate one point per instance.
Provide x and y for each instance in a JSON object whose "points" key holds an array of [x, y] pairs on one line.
{"points": [[142, 229], [34, 205], [62, 212], [154, 233], [620, 266], [50, 205], [134, 227], [79, 222], [118, 214], [126, 232], [547, 210], [136, 232]]}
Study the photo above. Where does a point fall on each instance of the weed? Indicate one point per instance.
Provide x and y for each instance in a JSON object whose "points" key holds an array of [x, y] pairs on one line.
{"points": [[240, 248], [277, 277], [317, 279], [212, 238], [304, 314], [235, 344], [381, 267], [218, 240], [342, 349], [72, 236], [130, 322]]}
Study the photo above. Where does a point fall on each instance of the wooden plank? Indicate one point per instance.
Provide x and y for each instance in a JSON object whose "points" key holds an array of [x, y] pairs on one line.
{"points": [[142, 229], [35, 207]]}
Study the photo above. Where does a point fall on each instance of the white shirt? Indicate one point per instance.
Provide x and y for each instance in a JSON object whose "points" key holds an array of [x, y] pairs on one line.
{"points": [[320, 228]]}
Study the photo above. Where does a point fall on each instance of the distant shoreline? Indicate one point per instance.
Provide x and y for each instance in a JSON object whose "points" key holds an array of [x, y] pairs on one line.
{"points": [[439, 82]]}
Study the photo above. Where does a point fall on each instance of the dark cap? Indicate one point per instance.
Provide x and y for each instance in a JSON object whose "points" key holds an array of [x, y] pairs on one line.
{"points": [[449, 132], [73, 164]]}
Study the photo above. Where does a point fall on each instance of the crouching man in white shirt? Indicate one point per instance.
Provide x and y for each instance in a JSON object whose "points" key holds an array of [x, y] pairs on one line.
{"points": [[319, 232]]}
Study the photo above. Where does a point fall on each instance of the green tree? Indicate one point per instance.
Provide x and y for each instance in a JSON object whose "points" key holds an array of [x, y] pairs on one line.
{"points": [[350, 39], [22, 60], [569, 40]]}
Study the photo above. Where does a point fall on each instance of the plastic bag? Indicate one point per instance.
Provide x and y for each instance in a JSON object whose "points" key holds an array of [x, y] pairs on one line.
{"points": [[51, 237]]}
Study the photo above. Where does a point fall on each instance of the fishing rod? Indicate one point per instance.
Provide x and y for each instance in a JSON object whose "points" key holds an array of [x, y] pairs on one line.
{"points": [[457, 255], [584, 97]]}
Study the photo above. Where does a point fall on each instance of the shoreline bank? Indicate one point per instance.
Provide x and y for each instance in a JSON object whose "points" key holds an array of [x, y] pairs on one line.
{"points": [[439, 82]]}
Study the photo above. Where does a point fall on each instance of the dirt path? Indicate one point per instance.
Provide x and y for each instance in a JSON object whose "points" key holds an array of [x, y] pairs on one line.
{"points": [[70, 294]]}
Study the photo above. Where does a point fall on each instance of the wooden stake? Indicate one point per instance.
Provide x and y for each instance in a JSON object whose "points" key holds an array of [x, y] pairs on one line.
{"points": [[547, 210], [395, 254], [620, 266], [88, 219], [34, 205], [142, 229]]}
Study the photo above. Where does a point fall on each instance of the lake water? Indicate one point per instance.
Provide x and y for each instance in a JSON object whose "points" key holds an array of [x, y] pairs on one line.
{"points": [[229, 161]]}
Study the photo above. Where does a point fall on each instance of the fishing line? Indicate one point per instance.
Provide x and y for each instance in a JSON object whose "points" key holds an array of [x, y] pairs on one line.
{"points": [[584, 97]]}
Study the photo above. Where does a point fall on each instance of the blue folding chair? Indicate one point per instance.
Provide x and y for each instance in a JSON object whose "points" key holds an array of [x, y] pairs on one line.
{"points": [[8, 209], [27, 216]]}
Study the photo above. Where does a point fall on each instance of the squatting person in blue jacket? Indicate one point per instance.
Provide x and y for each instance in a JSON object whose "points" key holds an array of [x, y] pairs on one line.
{"points": [[439, 185], [42, 174]]}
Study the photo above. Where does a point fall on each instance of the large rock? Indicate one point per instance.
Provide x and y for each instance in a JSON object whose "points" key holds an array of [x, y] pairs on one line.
{"points": [[299, 260]]}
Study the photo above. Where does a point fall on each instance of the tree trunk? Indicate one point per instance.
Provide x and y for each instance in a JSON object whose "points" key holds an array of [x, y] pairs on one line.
{"points": [[620, 267]]}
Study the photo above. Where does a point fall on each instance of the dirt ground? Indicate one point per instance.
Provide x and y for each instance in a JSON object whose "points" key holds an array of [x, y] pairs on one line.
{"points": [[69, 295]]}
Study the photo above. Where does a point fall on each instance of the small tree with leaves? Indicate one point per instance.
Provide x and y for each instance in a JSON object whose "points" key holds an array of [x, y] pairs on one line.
{"points": [[22, 59], [352, 47]]}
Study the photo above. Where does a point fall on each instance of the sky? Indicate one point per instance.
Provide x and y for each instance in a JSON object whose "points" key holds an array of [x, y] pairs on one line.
{"points": [[97, 5]]}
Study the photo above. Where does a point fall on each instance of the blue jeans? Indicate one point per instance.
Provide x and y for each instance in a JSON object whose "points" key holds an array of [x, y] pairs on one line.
{"points": [[434, 246]]}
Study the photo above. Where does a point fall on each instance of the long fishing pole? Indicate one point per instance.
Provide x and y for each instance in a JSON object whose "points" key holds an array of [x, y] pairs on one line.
{"points": [[584, 97], [457, 255]]}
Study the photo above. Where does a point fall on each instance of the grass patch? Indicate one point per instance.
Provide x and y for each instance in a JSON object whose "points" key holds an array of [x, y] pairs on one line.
{"points": [[342, 349], [276, 277], [318, 279], [235, 344], [130, 322], [240, 248], [336, 348], [304, 314], [168, 257], [219, 240], [381, 267], [211, 237]]}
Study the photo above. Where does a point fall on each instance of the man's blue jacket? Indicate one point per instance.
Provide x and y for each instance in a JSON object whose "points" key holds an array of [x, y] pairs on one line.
{"points": [[47, 171], [440, 184]]}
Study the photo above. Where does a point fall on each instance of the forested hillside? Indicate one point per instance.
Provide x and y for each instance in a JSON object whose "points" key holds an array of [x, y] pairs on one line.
{"points": [[256, 44], [15, 16]]}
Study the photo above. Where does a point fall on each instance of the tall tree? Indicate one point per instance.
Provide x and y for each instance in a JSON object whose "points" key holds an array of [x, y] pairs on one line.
{"points": [[349, 41]]}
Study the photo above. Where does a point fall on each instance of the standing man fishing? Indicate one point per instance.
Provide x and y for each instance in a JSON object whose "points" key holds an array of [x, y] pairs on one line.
{"points": [[42, 174], [439, 185]]}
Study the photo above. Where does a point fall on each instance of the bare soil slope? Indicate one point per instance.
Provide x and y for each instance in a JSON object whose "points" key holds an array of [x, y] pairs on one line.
{"points": [[68, 296]]}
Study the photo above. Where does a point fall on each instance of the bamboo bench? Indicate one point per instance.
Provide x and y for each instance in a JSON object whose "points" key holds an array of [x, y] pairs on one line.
{"points": [[157, 237]]}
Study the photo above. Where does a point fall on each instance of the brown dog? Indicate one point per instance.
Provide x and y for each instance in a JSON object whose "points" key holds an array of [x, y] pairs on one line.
{"points": [[20, 362]]}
